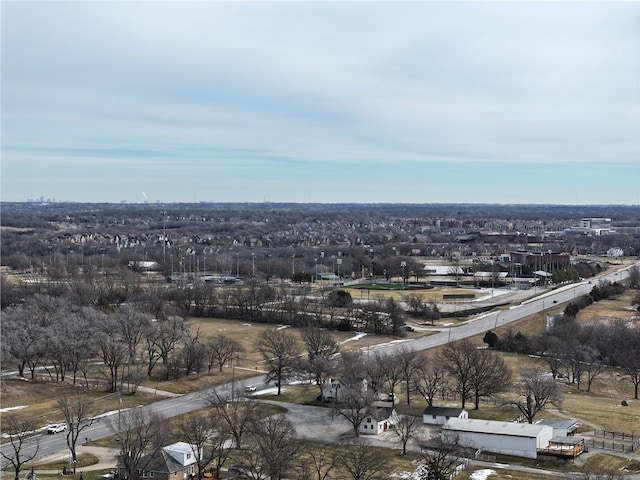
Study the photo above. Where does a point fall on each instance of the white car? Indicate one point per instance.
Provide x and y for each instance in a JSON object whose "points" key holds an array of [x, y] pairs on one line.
{"points": [[56, 428], [250, 388]]}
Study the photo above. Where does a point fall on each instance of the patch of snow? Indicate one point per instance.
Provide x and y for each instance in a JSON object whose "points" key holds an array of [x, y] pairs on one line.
{"points": [[246, 324], [7, 409], [272, 391], [483, 474], [107, 414], [357, 336]]}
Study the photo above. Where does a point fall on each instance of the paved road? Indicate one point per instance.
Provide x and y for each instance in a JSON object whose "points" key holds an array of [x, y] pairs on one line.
{"points": [[50, 444]]}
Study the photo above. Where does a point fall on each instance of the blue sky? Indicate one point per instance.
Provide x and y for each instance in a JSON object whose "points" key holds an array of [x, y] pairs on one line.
{"points": [[481, 102]]}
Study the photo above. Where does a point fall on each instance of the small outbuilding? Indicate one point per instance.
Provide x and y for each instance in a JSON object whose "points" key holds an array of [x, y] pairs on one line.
{"points": [[561, 428], [378, 421], [439, 415], [507, 438]]}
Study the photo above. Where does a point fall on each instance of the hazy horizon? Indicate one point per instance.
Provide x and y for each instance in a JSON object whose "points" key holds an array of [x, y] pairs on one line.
{"points": [[513, 103]]}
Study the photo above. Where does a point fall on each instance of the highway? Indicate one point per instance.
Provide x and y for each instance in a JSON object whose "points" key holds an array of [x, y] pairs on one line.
{"points": [[49, 444]]}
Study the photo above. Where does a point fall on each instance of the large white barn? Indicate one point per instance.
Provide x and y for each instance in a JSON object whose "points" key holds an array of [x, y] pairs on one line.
{"points": [[507, 438]]}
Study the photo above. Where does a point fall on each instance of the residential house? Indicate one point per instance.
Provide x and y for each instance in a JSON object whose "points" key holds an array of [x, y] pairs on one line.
{"points": [[173, 462], [332, 387], [439, 415], [378, 420]]}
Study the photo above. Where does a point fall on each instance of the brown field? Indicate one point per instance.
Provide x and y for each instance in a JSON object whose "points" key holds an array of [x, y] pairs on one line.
{"points": [[435, 294], [609, 310], [40, 397]]}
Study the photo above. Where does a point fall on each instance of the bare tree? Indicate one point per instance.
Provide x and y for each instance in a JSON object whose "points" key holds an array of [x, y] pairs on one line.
{"points": [[410, 365], [441, 455], [536, 390], [21, 451], [353, 364], [219, 443], [629, 360], [361, 462], [193, 353], [376, 372], [458, 359], [593, 366], [490, 375], [280, 353], [272, 447], [321, 349], [405, 429], [391, 367], [430, 379], [323, 460], [132, 325], [112, 351], [222, 350], [78, 414], [355, 405], [234, 413], [139, 432], [196, 430], [170, 332]]}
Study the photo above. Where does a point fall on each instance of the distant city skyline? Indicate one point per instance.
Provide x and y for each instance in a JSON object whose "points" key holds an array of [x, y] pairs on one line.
{"points": [[321, 102]]}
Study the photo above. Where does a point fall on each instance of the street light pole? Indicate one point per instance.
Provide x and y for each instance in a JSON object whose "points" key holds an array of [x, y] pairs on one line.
{"points": [[164, 235], [253, 265]]}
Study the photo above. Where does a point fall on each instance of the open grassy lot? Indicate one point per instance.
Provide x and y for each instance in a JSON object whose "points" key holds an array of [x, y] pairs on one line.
{"points": [[435, 294], [39, 400], [84, 460], [608, 310]]}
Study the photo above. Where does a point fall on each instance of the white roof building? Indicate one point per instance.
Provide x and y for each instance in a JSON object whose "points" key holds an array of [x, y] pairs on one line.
{"points": [[507, 438]]}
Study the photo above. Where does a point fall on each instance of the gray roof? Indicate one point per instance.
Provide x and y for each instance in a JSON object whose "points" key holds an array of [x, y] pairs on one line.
{"points": [[568, 424], [161, 461], [566, 440], [381, 413], [443, 411], [495, 428]]}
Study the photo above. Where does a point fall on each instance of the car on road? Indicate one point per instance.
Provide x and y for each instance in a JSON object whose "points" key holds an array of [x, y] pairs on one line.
{"points": [[56, 427], [250, 388]]}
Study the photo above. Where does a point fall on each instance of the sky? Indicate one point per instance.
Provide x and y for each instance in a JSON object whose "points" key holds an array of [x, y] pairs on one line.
{"points": [[329, 101]]}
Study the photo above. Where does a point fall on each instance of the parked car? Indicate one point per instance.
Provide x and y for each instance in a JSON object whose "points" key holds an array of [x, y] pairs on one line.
{"points": [[238, 471], [56, 427]]}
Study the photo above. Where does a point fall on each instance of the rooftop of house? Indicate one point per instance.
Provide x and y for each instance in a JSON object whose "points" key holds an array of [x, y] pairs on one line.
{"points": [[443, 411], [495, 428]]}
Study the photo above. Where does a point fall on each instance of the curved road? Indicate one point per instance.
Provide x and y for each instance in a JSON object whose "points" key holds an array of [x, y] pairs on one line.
{"points": [[49, 444]]}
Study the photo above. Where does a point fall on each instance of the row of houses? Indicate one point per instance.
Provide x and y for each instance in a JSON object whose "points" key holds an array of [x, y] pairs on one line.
{"points": [[545, 438]]}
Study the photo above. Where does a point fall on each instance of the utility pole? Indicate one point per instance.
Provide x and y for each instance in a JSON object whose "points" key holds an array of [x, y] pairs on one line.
{"points": [[164, 235]]}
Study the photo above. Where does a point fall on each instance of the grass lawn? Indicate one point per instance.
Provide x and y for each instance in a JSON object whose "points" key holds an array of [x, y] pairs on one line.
{"points": [[382, 292], [84, 460], [40, 400]]}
